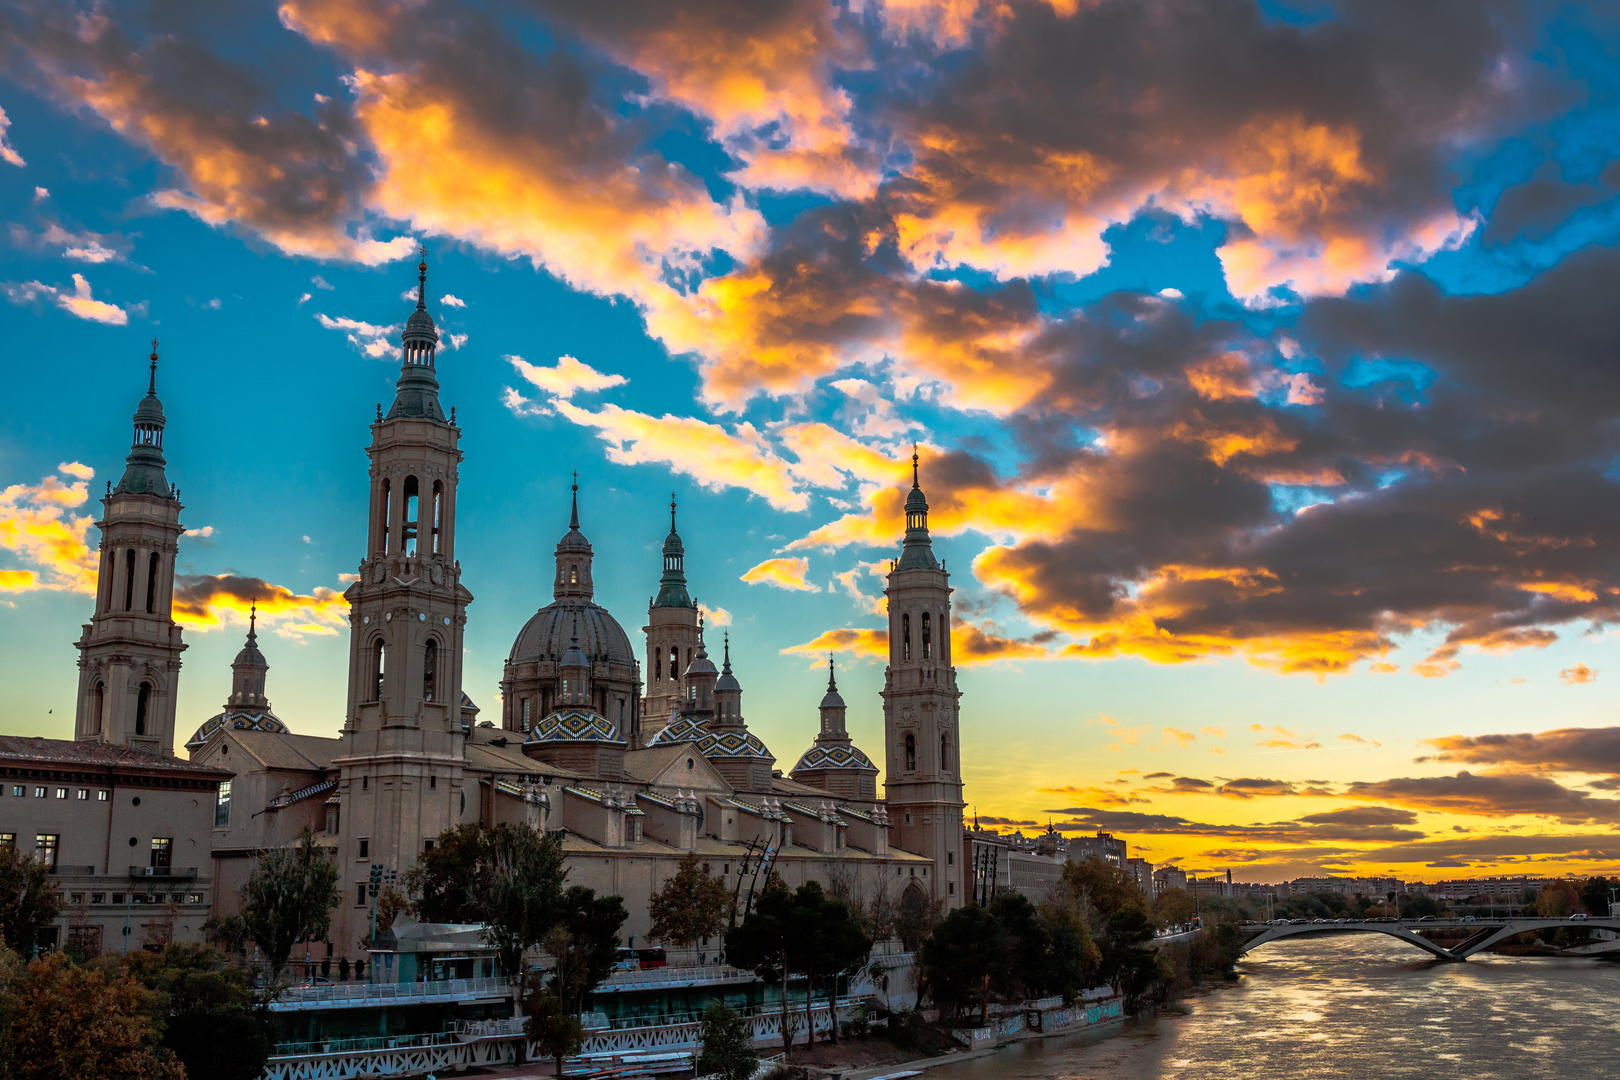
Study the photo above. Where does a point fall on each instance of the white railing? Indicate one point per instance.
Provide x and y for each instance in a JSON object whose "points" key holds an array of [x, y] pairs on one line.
{"points": [[654, 978], [356, 995]]}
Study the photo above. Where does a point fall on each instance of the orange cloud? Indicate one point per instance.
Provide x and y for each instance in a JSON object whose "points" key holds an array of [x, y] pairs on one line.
{"points": [[857, 640], [782, 573], [206, 602], [1580, 673], [36, 526]]}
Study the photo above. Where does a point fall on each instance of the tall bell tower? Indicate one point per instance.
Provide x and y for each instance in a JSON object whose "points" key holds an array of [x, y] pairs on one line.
{"points": [[923, 780], [401, 779], [129, 653], [672, 633]]}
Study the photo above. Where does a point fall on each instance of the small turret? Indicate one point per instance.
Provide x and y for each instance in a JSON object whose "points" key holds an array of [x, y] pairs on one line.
{"points": [[417, 392], [672, 586], [144, 467], [248, 670], [573, 558]]}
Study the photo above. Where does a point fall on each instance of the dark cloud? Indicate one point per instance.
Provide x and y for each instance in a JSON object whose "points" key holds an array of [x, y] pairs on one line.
{"points": [[1492, 795], [1587, 750], [1533, 209], [1491, 850], [1362, 815], [1316, 829]]}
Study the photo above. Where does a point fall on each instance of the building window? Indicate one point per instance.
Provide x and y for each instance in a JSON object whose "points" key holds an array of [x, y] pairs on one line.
{"points": [[8, 840], [438, 513], [433, 781], [98, 707], [222, 806], [950, 858], [386, 505], [39, 793], [61, 793], [523, 723], [573, 574], [365, 783], [365, 847], [927, 637], [17, 791], [162, 852], [129, 579], [98, 898], [911, 754], [674, 663], [905, 637], [46, 846], [944, 752], [430, 670], [143, 702], [950, 887], [381, 670], [84, 794], [360, 894], [151, 584], [101, 796], [408, 538], [427, 846]]}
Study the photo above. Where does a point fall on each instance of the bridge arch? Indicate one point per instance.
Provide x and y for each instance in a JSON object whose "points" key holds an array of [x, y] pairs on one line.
{"points": [[1484, 934]]}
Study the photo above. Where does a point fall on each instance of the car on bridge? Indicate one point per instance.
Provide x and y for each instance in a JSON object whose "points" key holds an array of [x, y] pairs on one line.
{"points": [[1579, 915]]}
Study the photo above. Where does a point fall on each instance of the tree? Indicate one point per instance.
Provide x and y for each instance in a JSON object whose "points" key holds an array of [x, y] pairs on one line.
{"points": [[1556, 899], [1073, 956], [28, 900], [1595, 897], [289, 898], [65, 1021], [508, 877], [728, 1045], [1116, 911], [832, 944], [585, 942], [915, 916], [552, 1027], [214, 1025], [766, 943], [1174, 907], [962, 958], [692, 905]]}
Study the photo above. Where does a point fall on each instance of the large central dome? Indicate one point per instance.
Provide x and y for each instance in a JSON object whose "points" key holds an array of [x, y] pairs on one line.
{"points": [[548, 634]]}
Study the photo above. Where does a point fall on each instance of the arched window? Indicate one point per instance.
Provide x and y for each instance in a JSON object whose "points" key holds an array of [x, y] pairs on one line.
{"points": [[386, 524], [151, 584], [438, 513], [944, 751], [143, 702], [573, 574], [911, 752], [380, 669], [674, 662], [905, 637], [927, 637], [408, 537], [430, 670], [98, 708], [129, 579]]}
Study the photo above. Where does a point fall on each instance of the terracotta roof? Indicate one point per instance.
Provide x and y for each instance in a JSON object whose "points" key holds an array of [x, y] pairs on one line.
{"points": [[90, 754]]}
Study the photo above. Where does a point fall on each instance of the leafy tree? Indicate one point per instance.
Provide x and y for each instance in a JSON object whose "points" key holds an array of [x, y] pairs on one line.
{"points": [[1117, 913], [288, 898], [1595, 897], [63, 1021], [767, 943], [833, 944], [915, 916], [691, 906], [1557, 898], [1174, 907], [508, 877], [962, 958], [28, 899], [585, 942], [552, 1027], [214, 1025], [728, 1045]]}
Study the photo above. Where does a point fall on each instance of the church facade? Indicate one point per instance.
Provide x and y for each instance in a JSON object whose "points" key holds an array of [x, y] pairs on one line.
{"points": [[636, 765]]}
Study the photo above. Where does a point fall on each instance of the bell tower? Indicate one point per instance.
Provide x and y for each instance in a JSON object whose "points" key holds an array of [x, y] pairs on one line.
{"points": [[672, 632], [401, 778], [923, 780], [129, 653]]}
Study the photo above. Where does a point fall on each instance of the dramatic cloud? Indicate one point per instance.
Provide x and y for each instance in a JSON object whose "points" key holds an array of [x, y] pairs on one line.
{"points": [[1350, 827], [782, 573], [210, 601], [1578, 750], [562, 380], [872, 644], [38, 528], [1490, 795]]}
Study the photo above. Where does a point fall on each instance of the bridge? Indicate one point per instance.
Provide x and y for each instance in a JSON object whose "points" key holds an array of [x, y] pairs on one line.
{"points": [[1483, 933]]}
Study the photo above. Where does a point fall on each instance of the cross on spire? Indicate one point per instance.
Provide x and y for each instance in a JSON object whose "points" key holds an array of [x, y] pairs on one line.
{"points": [[914, 481], [151, 385], [421, 279]]}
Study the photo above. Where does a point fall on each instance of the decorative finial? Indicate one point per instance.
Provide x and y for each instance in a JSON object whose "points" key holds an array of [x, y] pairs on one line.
{"points": [[832, 675], [421, 279], [672, 511], [726, 666], [253, 619], [379, 410], [573, 517], [914, 482], [151, 386]]}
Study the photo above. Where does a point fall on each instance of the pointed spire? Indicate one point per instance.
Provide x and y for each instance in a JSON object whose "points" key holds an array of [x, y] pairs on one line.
{"points": [[421, 279], [253, 622], [573, 517], [151, 383], [672, 511], [725, 667], [915, 484], [672, 586], [418, 388], [143, 472], [919, 551], [832, 676]]}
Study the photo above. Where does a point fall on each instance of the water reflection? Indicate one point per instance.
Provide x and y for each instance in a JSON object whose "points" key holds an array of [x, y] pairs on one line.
{"points": [[1359, 1008]]}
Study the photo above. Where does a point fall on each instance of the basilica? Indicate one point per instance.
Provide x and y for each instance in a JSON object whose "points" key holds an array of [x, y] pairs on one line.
{"points": [[636, 760]]}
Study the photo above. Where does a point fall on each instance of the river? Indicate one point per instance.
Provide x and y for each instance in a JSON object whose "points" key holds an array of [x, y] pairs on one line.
{"points": [[1356, 1007]]}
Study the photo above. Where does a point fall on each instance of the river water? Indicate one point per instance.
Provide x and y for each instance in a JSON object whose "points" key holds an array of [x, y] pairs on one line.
{"points": [[1357, 1007]]}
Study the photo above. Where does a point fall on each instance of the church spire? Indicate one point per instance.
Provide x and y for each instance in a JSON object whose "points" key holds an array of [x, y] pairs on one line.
{"points": [[919, 547], [573, 557], [418, 387], [672, 586], [248, 669], [143, 468]]}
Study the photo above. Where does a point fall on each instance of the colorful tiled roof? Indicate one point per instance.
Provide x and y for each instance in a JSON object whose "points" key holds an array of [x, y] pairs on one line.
{"points": [[834, 756], [574, 724], [236, 720]]}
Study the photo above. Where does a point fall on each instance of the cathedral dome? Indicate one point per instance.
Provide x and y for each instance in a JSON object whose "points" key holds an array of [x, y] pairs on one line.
{"points": [[236, 720], [574, 724], [834, 756], [548, 635]]}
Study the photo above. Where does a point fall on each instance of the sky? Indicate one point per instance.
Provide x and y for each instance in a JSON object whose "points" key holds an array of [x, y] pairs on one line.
{"points": [[1263, 359]]}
